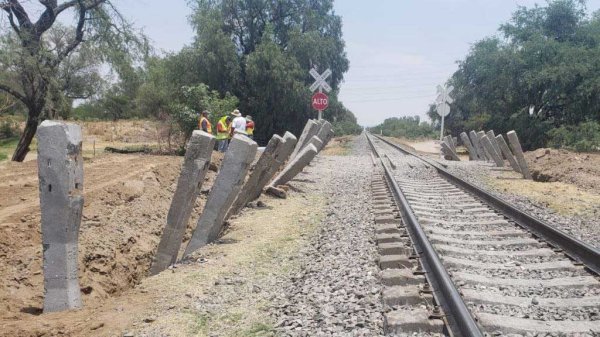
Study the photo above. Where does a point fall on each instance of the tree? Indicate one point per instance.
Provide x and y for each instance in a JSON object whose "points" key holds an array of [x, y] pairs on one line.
{"points": [[30, 70], [261, 52], [541, 74]]}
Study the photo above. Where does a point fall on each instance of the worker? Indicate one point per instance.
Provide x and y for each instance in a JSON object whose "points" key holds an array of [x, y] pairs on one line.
{"points": [[249, 127], [204, 123], [238, 124], [223, 132]]}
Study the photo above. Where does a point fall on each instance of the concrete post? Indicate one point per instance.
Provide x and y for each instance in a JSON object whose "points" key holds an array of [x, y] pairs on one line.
{"points": [[231, 177], [467, 142], [488, 154], [492, 137], [194, 168], [316, 141], [513, 139], [490, 149], [323, 133], [475, 140], [310, 129], [507, 154], [450, 142], [266, 161], [328, 138], [281, 158], [60, 170], [448, 151], [296, 165]]}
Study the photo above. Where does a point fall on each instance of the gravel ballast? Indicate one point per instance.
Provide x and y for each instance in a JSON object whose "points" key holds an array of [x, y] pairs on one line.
{"points": [[337, 291]]}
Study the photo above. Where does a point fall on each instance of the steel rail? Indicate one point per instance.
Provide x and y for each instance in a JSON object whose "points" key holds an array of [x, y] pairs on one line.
{"points": [[461, 322], [576, 249]]}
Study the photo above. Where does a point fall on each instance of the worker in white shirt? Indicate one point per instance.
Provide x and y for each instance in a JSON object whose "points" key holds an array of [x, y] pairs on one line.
{"points": [[238, 125]]}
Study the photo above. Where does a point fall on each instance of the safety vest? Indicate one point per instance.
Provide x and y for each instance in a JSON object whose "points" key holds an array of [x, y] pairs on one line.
{"points": [[208, 125], [250, 128], [222, 129]]}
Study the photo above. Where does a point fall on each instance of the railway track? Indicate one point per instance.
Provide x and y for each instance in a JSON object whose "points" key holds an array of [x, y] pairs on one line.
{"points": [[479, 266]]}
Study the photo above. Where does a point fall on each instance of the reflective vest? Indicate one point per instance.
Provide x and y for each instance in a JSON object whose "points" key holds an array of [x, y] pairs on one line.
{"points": [[250, 128], [222, 129], [208, 125]]}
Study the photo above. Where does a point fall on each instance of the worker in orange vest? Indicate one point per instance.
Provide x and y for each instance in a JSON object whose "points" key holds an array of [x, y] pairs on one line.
{"points": [[204, 123], [249, 126]]}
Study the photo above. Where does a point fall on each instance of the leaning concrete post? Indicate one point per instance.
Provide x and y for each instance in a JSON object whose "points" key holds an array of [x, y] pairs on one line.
{"points": [[266, 161], [475, 140], [231, 177], [316, 141], [280, 158], [492, 137], [467, 142], [296, 165], [513, 139], [507, 154], [323, 134], [488, 154], [448, 151], [60, 170], [490, 149], [194, 168], [328, 138], [450, 142], [310, 129]]}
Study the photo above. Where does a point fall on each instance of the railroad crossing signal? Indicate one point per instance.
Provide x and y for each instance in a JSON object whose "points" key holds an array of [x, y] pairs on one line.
{"points": [[320, 80], [442, 104], [320, 100]]}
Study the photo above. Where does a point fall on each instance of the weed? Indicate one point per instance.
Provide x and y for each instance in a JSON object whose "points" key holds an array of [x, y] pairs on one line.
{"points": [[258, 329]]}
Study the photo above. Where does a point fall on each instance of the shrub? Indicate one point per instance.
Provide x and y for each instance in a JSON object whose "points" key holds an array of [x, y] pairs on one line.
{"points": [[8, 129], [346, 127], [581, 138]]}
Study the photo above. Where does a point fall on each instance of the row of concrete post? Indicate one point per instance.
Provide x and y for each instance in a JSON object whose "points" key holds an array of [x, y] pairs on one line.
{"points": [[60, 167], [486, 146]]}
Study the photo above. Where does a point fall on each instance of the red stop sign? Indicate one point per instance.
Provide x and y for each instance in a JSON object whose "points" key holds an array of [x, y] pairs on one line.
{"points": [[320, 101]]}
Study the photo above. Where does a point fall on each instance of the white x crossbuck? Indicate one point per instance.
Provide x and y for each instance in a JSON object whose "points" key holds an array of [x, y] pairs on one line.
{"points": [[320, 80]]}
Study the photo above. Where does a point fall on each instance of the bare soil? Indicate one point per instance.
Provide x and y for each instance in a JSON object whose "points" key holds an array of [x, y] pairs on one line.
{"points": [[126, 200], [579, 169]]}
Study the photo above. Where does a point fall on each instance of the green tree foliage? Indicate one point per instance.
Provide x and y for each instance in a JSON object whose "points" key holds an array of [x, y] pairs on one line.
{"points": [[542, 74], [405, 127], [260, 52], [35, 53]]}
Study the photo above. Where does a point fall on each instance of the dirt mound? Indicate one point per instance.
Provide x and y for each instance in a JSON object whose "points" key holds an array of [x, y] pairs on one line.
{"points": [[126, 201], [580, 169]]}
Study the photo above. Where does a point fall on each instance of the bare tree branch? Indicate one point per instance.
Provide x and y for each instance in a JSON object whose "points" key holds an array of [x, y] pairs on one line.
{"points": [[13, 93], [20, 13]]}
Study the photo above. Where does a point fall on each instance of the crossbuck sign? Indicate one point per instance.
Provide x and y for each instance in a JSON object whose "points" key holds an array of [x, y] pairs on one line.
{"points": [[442, 104], [320, 100], [320, 80]]}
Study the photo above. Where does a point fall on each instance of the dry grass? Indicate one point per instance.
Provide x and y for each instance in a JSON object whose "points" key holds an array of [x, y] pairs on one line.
{"points": [[565, 199], [339, 146], [260, 246]]}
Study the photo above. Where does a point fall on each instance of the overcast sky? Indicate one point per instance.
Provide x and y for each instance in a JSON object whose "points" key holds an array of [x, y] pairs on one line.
{"points": [[399, 50]]}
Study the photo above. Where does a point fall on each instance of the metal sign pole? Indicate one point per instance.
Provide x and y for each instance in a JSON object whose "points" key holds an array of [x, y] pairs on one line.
{"points": [[442, 130], [320, 111]]}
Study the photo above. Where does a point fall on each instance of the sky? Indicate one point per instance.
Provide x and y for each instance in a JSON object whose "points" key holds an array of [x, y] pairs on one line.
{"points": [[399, 50]]}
